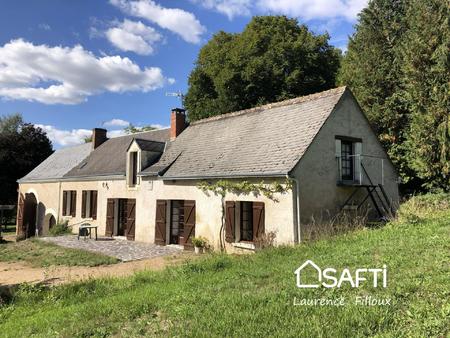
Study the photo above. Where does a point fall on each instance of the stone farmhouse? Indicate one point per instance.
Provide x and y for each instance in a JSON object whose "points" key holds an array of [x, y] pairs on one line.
{"points": [[145, 186]]}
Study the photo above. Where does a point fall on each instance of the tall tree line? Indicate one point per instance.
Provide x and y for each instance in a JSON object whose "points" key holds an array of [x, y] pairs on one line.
{"points": [[397, 64]]}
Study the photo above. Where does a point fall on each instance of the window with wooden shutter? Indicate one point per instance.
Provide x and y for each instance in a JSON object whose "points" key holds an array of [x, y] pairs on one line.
{"points": [[246, 223], [258, 219], [189, 224], [230, 221], [83, 203], [64, 208], [160, 222], [73, 203], [94, 204], [89, 204]]}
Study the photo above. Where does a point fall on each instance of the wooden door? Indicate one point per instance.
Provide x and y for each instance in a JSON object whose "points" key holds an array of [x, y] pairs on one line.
{"points": [[131, 219], [177, 222], [123, 216], [109, 217], [189, 224], [160, 222], [20, 208]]}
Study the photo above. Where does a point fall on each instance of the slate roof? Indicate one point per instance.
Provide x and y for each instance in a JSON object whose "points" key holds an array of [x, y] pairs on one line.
{"points": [[59, 163], [109, 159], [262, 141]]}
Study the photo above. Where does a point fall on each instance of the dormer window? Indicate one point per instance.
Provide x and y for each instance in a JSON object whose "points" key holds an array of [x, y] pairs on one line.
{"points": [[133, 168], [140, 155]]}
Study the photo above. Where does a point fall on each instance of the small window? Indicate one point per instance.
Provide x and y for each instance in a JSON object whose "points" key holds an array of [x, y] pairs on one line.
{"points": [[89, 204], [69, 203], [244, 221], [246, 225], [133, 169], [347, 160]]}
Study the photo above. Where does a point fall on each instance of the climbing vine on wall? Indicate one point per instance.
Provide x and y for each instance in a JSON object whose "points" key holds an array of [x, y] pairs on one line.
{"points": [[222, 187]]}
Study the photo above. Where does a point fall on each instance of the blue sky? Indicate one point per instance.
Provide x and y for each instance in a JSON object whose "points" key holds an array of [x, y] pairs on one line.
{"points": [[69, 66]]}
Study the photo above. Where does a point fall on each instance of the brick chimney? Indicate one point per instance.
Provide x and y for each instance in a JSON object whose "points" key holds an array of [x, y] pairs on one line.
{"points": [[177, 122], [98, 137]]}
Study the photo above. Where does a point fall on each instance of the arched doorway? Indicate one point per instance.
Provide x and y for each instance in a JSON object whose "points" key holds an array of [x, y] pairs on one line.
{"points": [[51, 222], [28, 228]]}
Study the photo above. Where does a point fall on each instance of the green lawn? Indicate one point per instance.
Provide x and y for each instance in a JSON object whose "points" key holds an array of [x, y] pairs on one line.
{"points": [[43, 254], [252, 296]]}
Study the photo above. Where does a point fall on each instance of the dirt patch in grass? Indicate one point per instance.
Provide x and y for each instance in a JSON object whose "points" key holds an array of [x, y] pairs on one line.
{"points": [[12, 273]]}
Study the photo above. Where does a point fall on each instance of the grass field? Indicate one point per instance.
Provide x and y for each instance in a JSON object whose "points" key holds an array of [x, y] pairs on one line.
{"points": [[43, 254], [252, 296]]}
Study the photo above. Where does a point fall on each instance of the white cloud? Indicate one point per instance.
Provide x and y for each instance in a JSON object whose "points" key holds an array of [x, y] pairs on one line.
{"points": [[67, 75], [318, 9], [178, 21], [116, 123], [230, 8], [134, 37], [44, 26], [116, 133], [65, 137]]}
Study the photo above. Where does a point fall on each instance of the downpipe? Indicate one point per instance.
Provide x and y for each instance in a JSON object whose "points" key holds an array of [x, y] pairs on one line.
{"points": [[297, 206]]}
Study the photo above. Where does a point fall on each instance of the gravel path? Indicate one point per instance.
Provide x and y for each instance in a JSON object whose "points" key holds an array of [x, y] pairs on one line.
{"points": [[122, 249]]}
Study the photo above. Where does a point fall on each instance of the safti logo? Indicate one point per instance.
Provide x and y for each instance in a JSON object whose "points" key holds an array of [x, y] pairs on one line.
{"points": [[330, 278]]}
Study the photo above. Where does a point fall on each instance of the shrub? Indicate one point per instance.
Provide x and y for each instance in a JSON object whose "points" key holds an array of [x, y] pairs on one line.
{"points": [[200, 242], [266, 240], [60, 229]]}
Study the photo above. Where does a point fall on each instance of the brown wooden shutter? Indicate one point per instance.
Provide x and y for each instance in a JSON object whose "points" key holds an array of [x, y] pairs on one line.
{"points": [[230, 221], [94, 204], [109, 217], [20, 207], [83, 203], [64, 211], [258, 219], [189, 224], [160, 222], [131, 219], [73, 203]]}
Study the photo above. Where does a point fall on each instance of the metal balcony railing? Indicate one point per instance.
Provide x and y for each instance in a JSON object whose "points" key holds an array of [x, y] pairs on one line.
{"points": [[366, 170]]}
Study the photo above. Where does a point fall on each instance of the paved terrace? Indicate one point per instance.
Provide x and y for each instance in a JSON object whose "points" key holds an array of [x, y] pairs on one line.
{"points": [[121, 249]]}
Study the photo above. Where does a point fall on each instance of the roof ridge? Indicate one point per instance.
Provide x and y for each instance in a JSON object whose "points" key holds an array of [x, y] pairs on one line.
{"points": [[299, 99]]}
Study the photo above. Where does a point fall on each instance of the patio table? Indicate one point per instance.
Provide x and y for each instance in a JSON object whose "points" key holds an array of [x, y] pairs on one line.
{"points": [[87, 227]]}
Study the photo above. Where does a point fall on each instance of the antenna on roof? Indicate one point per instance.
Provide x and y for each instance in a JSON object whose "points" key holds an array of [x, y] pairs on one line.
{"points": [[177, 94]]}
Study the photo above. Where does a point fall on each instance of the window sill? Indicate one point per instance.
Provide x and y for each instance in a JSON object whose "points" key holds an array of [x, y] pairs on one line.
{"points": [[244, 245], [348, 183]]}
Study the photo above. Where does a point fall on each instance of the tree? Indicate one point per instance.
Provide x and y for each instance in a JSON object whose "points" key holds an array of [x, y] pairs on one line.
{"points": [[397, 67], [273, 59], [131, 129], [372, 69], [426, 79], [22, 148]]}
